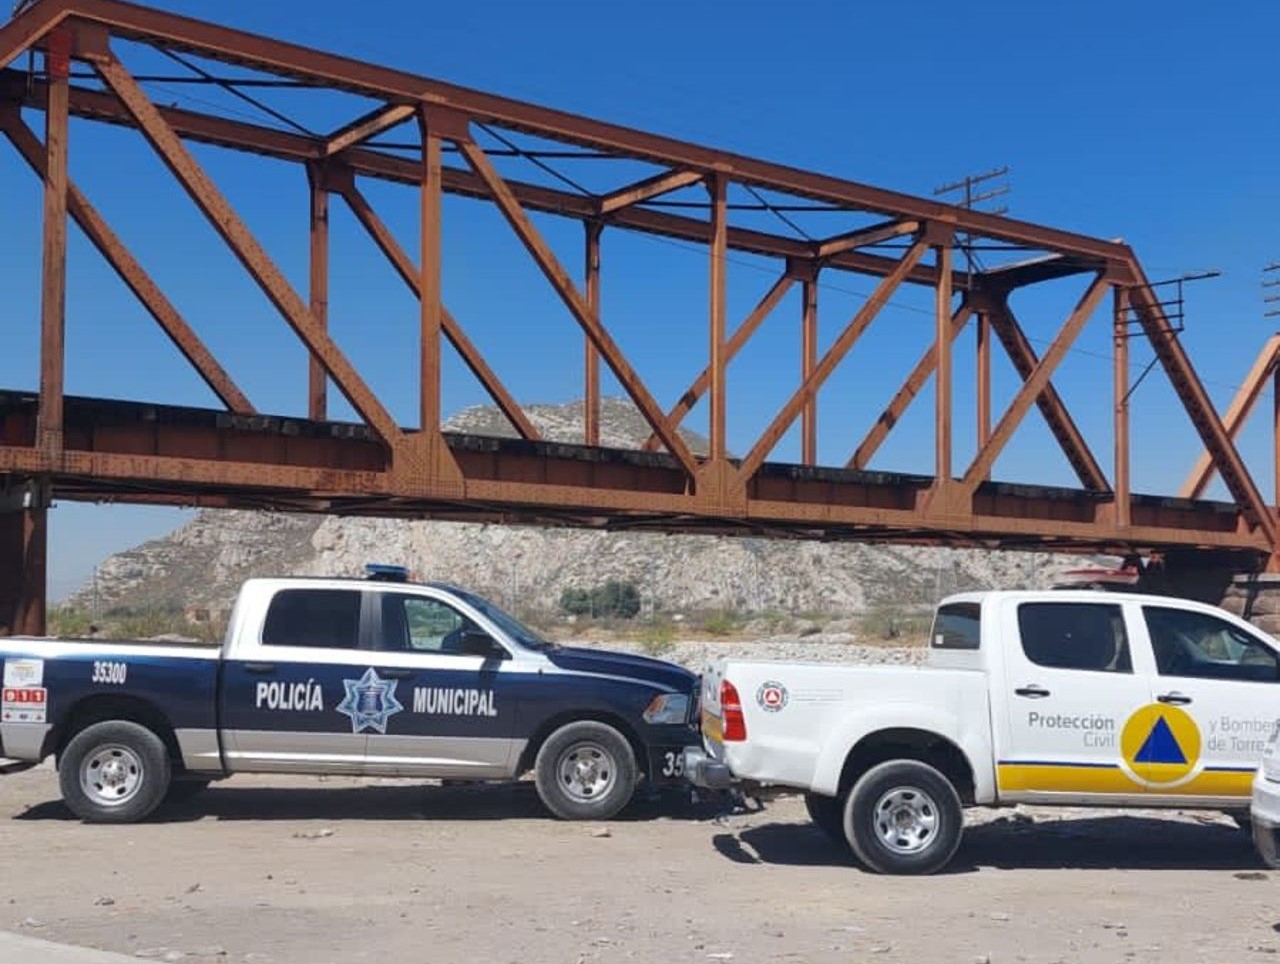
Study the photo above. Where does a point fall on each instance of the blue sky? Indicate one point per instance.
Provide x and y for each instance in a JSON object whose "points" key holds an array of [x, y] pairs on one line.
{"points": [[1145, 121]]}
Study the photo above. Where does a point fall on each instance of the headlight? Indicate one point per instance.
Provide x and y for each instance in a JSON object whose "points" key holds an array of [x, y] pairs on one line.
{"points": [[667, 708]]}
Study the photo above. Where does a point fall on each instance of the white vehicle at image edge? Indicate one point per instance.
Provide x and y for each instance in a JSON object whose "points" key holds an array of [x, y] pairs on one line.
{"points": [[1265, 812], [1079, 698]]}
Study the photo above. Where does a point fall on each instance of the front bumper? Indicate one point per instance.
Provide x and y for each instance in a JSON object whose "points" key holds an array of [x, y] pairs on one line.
{"points": [[704, 771], [1264, 815]]}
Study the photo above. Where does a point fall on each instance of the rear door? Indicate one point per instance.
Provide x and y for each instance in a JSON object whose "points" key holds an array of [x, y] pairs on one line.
{"points": [[457, 687], [1217, 697], [282, 698], [1067, 687]]}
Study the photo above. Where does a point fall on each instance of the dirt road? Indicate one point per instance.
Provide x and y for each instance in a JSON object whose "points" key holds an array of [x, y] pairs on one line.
{"points": [[305, 871]]}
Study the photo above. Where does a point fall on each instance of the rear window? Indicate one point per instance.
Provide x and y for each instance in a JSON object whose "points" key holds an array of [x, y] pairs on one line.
{"points": [[319, 618], [957, 626], [1073, 635]]}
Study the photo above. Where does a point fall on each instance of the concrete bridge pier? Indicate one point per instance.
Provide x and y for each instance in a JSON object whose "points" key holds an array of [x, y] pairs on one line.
{"points": [[24, 535]]}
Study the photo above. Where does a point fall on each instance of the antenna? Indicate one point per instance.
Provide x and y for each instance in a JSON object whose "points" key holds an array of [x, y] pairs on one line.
{"points": [[1270, 299], [971, 194]]}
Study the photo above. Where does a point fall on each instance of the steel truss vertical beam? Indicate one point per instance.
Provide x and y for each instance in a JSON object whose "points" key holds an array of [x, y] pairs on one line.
{"points": [[53, 292], [130, 271], [1035, 384], [1237, 414], [718, 187], [942, 407], [906, 394], [429, 286], [1061, 424], [318, 382], [569, 294], [777, 291], [1182, 375], [808, 362], [984, 378], [243, 244], [591, 357], [411, 275], [852, 332], [1120, 363]]}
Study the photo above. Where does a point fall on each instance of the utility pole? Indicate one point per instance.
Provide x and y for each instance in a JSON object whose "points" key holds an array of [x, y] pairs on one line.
{"points": [[971, 193], [1271, 302]]}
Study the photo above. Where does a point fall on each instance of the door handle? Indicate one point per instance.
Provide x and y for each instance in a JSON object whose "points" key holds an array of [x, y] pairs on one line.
{"points": [[1176, 698], [260, 669], [396, 673], [1032, 692]]}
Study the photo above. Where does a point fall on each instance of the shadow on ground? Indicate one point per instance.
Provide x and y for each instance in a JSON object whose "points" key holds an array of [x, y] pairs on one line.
{"points": [[1121, 842], [494, 801]]}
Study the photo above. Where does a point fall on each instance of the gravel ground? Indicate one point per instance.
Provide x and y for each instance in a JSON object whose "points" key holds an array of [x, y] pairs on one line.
{"points": [[818, 648], [308, 871]]}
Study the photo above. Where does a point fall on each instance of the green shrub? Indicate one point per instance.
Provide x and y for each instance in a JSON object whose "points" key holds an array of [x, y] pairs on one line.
{"points": [[613, 600]]}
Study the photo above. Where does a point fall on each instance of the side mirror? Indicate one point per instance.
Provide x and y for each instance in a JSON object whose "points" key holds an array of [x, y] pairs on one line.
{"points": [[476, 642]]}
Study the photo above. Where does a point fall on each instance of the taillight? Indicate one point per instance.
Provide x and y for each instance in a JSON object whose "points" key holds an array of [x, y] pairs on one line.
{"points": [[733, 724]]}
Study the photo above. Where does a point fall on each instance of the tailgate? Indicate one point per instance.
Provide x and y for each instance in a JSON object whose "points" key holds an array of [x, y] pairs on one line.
{"points": [[710, 721]]}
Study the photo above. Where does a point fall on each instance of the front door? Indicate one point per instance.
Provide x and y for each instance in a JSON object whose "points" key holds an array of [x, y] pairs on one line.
{"points": [[455, 689], [1068, 687], [281, 698], [1217, 698]]}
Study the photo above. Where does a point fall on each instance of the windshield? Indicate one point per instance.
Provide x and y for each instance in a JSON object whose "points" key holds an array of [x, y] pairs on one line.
{"points": [[519, 632]]}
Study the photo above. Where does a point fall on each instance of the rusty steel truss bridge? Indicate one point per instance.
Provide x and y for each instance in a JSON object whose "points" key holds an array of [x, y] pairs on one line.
{"points": [[65, 58]]}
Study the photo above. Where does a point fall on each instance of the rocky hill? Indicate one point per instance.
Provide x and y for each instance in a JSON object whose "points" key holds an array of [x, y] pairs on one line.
{"points": [[200, 565]]}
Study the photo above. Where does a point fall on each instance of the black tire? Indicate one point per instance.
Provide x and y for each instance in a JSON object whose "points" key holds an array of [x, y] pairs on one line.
{"points": [[184, 791], [586, 771], [133, 786], [928, 806], [1243, 820], [827, 814]]}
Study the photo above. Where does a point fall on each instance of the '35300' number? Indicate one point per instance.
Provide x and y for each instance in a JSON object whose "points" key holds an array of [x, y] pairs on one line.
{"points": [[114, 673]]}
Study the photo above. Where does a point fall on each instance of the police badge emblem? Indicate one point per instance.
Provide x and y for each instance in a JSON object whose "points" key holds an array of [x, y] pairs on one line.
{"points": [[369, 702]]}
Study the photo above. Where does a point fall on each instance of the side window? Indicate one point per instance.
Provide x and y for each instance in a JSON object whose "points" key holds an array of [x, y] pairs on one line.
{"points": [[1072, 635], [1202, 646], [957, 626], [319, 618], [417, 624]]}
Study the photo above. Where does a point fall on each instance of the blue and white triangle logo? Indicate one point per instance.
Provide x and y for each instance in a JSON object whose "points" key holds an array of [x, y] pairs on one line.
{"points": [[1161, 746]]}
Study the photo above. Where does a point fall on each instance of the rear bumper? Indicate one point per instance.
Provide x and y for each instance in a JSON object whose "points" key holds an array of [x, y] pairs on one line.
{"points": [[704, 771]]}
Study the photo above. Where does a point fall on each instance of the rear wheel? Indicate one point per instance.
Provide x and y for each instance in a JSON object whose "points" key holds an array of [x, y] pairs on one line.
{"points": [[586, 771], [903, 817], [114, 772], [827, 814]]}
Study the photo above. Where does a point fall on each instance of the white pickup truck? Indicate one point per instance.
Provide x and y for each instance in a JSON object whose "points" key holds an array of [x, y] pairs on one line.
{"points": [[1061, 697]]}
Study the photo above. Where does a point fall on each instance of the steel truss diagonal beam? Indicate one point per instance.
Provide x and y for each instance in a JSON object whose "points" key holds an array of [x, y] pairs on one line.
{"points": [[1187, 384], [371, 125], [377, 230], [834, 355], [245, 246], [573, 299], [1242, 406], [903, 398], [741, 335], [1035, 384], [130, 271], [647, 189], [875, 234], [1024, 358]]}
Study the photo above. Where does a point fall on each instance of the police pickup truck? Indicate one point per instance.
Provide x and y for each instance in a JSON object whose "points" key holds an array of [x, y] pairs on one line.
{"points": [[340, 676], [1064, 697]]}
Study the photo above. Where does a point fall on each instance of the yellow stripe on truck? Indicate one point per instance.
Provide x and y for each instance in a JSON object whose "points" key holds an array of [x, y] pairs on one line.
{"points": [[1054, 778]]}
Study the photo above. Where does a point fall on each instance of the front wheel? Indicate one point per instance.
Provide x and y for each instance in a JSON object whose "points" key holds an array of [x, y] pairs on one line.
{"points": [[585, 771], [114, 772], [903, 817]]}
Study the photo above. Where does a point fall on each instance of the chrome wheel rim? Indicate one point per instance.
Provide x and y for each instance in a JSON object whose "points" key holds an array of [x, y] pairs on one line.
{"points": [[587, 771], [906, 820], [111, 775]]}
